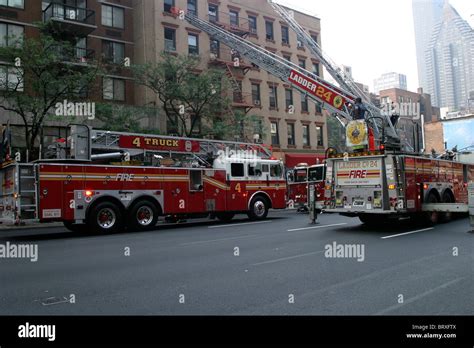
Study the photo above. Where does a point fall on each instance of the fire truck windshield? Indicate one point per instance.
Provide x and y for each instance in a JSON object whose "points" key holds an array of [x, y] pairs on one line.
{"points": [[316, 173], [300, 175]]}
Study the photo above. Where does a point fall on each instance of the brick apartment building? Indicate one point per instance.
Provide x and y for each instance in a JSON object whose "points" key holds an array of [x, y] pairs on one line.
{"points": [[100, 30], [296, 137], [408, 124]]}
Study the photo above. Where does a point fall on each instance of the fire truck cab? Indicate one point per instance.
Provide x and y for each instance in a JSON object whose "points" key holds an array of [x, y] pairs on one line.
{"points": [[300, 180]]}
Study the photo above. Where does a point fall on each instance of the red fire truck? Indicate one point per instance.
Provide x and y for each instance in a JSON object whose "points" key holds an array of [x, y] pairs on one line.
{"points": [[152, 176], [377, 186], [300, 180]]}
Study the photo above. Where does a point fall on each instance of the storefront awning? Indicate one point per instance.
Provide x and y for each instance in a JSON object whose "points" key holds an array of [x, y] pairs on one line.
{"points": [[293, 159]]}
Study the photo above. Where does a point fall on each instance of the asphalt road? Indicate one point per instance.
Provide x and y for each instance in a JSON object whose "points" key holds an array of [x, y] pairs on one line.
{"points": [[280, 267]]}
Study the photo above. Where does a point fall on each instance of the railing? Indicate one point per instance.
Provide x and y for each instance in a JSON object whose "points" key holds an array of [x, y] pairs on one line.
{"points": [[69, 13], [75, 54]]}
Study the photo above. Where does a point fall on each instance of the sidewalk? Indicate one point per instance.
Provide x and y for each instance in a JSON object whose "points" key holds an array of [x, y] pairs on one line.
{"points": [[29, 225]]}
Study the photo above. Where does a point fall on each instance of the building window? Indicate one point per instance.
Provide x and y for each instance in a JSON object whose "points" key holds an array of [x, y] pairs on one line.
{"points": [[193, 44], [272, 90], [234, 18], [237, 169], [289, 98], [13, 3], [275, 134], [113, 16], [192, 7], [319, 109], [213, 12], [253, 24], [168, 5], [306, 140], [291, 133], [113, 89], [170, 40], [320, 135], [269, 30], [285, 35], [216, 48], [11, 35], [314, 37], [316, 69], [11, 78], [256, 94], [302, 63], [287, 57], [304, 102], [81, 49], [114, 52]]}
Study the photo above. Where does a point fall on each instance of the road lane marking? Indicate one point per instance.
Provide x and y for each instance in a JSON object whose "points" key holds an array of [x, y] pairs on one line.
{"points": [[251, 236], [420, 296], [404, 234], [213, 240], [315, 227], [287, 258], [244, 223]]}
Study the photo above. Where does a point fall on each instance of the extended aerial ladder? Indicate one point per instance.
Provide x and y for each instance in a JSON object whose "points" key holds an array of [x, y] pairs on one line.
{"points": [[333, 98], [346, 82]]}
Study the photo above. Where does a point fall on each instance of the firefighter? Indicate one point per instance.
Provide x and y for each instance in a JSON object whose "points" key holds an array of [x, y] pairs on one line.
{"points": [[359, 110]]}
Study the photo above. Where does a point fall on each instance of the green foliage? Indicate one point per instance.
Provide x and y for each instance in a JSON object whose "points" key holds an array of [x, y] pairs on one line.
{"points": [[336, 134], [236, 126], [43, 72], [192, 99], [124, 118]]}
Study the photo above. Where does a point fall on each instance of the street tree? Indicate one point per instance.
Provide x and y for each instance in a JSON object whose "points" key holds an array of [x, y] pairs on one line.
{"points": [[125, 118], [43, 73], [194, 101]]}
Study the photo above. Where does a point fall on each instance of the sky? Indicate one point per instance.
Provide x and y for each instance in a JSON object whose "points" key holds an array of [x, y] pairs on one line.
{"points": [[371, 36]]}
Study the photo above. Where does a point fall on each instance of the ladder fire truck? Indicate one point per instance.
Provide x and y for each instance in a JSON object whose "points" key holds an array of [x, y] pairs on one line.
{"points": [[104, 181], [388, 179], [395, 181]]}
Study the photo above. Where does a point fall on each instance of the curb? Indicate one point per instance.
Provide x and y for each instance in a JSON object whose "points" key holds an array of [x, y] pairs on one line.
{"points": [[5, 227]]}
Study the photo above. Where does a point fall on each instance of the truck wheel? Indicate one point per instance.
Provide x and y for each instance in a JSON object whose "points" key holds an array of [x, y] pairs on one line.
{"points": [[432, 217], [143, 215], [225, 217], [258, 208], [71, 226], [105, 217], [448, 216]]}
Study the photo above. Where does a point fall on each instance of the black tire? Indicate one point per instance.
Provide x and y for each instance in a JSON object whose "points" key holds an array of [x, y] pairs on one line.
{"points": [[143, 215], [77, 228], [448, 216], [258, 208], [431, 217], [105, 217], [225, 217]]}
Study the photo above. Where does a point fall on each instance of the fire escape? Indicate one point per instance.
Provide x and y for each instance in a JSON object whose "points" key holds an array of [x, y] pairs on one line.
{"points": [[235, 67]]}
